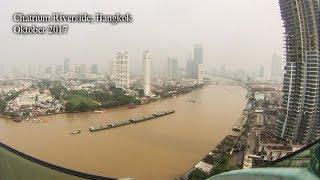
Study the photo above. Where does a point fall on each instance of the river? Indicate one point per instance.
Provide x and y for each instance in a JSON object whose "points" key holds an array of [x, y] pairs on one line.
{"points": [[163, 148]]}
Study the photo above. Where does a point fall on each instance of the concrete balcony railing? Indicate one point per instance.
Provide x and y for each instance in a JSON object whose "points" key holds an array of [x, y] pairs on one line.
{"points": [[303, 164], [267, 174], [15, 165]]}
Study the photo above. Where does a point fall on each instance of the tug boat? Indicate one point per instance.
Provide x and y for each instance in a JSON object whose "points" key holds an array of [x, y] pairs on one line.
{"points": [[75, 132]]}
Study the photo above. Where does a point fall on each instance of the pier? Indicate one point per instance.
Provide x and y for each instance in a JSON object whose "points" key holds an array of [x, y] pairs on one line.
{"points": [[130, 121], [238, 126]]}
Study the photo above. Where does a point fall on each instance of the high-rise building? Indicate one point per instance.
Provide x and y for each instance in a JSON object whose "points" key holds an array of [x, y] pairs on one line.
{"points": [[1, 69], [94, 69], [32, 70], [299, 120], [41, 69], [83, 69], [261, 72], [190, 67], [200, 74], [76, 69], [58, 69], [172, 68], [198, 54], [49, 70], [146, 72], [275, 73], [66, 66], [198, 59], [121, 70]]}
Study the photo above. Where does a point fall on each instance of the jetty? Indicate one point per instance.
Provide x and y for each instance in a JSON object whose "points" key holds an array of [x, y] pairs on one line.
{"points": [[130, 121], [238, 126]]}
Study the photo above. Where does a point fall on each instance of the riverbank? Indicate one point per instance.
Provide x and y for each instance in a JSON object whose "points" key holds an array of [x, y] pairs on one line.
{"points": [[97, 109], [218, 159]]}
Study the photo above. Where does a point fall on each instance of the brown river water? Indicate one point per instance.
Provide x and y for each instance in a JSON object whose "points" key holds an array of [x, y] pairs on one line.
{"points": [[163, 148]]}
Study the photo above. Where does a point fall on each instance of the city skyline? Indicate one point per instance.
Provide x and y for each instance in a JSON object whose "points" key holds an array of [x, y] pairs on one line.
{"points": [[189, 69], [217, 33]]}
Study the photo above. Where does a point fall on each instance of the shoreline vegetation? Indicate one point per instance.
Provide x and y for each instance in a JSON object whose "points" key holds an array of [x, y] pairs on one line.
{"points": [[78, 101]]}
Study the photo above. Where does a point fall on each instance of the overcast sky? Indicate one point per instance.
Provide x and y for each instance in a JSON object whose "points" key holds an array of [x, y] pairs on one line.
{"points": [[237, 33]]}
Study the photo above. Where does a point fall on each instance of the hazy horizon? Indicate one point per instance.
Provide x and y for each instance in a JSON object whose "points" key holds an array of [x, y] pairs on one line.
{"points": [[239, 34]]}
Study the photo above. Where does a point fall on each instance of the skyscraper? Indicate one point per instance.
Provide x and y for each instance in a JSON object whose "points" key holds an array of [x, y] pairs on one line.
{"points": [[299, 120], [200, 74], [94, 69], [49, 70], [66, 66], [261, 72], [121, 70], [83, 69], [58, 69], [172, 68], [76, 69], [190, 67], [198, 54], [41, 69], [1, 69], [146, 72], [29, 70], [198, 59]]}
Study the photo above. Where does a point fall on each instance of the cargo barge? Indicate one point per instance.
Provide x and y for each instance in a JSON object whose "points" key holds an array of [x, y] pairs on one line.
{"points": [[130, 121]]}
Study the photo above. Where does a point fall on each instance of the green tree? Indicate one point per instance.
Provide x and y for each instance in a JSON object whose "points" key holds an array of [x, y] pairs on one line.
{"points": [[198, 174], [222, 166], [315, 161], [83, 106], [69, 107], [3, 106], [12, 96]]}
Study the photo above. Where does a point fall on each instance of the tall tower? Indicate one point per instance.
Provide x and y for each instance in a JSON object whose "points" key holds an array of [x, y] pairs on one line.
{"points": [[189, 67], [198, 59], [121, 70], [146, 72], [66, 66], [172, 68], [200, 74], [94, 69], [83, 69], [299, 121], [198, 54], [1, 69], [261, 72]]}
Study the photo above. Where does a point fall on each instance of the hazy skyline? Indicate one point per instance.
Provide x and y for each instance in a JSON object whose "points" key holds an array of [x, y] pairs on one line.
{"points": [[240, 34]]}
